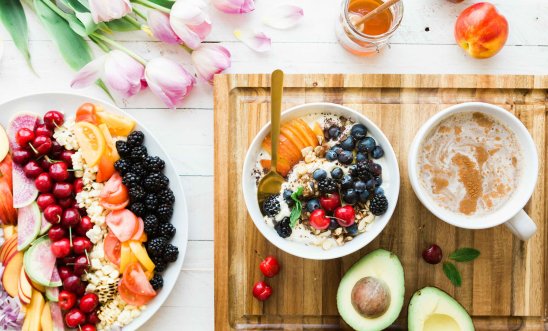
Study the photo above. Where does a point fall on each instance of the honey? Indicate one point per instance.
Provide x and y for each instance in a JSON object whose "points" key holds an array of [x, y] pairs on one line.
{"points": [[377, 25]]}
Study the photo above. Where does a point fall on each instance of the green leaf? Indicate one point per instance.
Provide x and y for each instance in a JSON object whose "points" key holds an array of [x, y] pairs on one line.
{"points": [[164, 3], [12, 15], [297, 209], [121, 25], [80, 20], [464, 254], [451, 271]]}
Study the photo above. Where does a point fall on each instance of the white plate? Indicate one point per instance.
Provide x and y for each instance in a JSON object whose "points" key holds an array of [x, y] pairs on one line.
{"points": [[68, 104]]}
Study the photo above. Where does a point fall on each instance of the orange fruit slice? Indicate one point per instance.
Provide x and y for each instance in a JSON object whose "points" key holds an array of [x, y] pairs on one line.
{"points": [[118, 125], [91, 141]]}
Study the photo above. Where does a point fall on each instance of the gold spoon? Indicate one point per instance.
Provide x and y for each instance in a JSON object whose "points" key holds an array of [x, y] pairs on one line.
{"points": [[272, 182]]}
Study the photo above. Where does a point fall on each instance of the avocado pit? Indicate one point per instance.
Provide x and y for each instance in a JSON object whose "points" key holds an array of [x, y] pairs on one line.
{"points": [[370, 297]]}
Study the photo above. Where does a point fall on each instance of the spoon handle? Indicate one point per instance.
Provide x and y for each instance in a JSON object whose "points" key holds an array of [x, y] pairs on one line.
{"points": [[276, 90]]}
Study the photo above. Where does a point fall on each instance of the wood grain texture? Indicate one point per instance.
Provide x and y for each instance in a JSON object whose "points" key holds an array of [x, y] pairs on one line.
{"points": [[504, 289]]}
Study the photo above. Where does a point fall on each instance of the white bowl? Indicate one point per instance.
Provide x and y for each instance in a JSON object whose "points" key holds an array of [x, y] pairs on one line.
{"points": [[68, 103], [390, 177]]}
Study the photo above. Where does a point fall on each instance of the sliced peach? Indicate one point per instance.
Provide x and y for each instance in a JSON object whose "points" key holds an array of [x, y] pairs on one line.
{"points": [[286, 149], [282, 168], [294, 138], [309, 132], [318, 131], [297, 132]]}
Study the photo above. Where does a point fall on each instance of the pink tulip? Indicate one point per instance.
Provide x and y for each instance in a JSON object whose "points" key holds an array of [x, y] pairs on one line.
{"points": [[120, 72], [160, 27], [209, 60], [190, 22], [234, 6], [108, 10], [168, 80]]}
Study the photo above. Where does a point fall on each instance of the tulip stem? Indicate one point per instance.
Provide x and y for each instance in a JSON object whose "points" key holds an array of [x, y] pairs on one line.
{"points": [[139, 13], [131, 20], [186, 48], [56, 9], [152, 5], [100, 44], [120, 47]]}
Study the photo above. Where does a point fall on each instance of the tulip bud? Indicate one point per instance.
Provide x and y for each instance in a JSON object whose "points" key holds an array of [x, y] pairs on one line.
{"points": [[210, 59], [168, 80], [108, 10], [190, 22]]}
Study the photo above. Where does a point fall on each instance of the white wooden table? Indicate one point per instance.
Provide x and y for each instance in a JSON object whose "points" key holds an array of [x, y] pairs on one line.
{"points": [[423, 44]]}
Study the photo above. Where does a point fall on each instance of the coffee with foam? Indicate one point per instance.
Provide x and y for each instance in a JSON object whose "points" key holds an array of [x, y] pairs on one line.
{"points": [[470, 163]]}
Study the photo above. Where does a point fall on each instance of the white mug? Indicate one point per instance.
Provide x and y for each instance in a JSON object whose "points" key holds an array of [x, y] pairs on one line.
{"points": [[511, 213]]}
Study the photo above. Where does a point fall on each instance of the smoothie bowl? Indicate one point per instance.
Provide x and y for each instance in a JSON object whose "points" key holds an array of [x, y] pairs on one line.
{"points": [[342, 182]]}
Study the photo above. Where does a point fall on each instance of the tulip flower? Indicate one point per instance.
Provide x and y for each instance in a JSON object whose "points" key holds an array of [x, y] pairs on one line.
{"points": [[161, 29], [190, 22], [210, 59], [120, 72], [168, 80], [108, 10], [234, 6]]}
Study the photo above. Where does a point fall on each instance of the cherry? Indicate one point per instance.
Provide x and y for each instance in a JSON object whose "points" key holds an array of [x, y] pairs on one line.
{"points": [[93, 317], [66, 202], [269, 266], [78, 185], [66, 156], [44, 200], [81, 264], [53, 119], [20, 156], [44, 163], [88, 327], [262, 291], [58, 171], [53, 214], [43, 183], [330, 202], [56, 233], [42, 130], [84, 226], [61, 248], [432, 254], [64, 272], [72, 283], [67, 299], [74, 318], [89, 302], [70, 217], [56, 149], [345, 215], [69, 260], [42, 145], [62, 190], [81, 244], [318, 219], [32, 169], [24, 136]]}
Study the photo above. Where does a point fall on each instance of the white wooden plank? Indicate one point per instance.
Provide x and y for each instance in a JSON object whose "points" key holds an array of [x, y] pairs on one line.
{"points": [[199, 256], [199, 195]]}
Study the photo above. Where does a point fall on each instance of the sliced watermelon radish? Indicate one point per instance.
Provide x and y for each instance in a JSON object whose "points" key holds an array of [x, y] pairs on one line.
{"points": [[56, 317], [24, 190], [45, 226], [39, 263], [52, 294], [55, 278], [29, 222]]}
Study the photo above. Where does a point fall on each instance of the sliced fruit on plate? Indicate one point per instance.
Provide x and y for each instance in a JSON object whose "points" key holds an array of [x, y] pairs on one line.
{"points": [[45, 226], [8, 214], [114, 195], [12, 272], [305, 131], [134, 288], [57, 317], [10, 231], [286, 131], [52, 293], [34, 312], [106, 164], [4, 143], [91, 142], [22, 120], [122, 223], [29, 221], [25, 288], [40, 263], [141, 253], [46, 322], [111, 143], [286, 149], [118, 125], [139, 230], [112, 248], [126, 256], [8, 248], [87, 112], [6, 166]]}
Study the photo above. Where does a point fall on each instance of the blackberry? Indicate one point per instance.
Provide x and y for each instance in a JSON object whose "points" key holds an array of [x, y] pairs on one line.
{"points": [[164, 213], [123, 149], [363, 170], [156, 182], [136, 193], [151, 226], [138, 208], [135, 138], [151, 202], [166, 197], [283, 228], [156, 247], [157, 282], [131, 180], [139, 169], [327, 185], [154, 164], [167, 230], [171, 253], [379, 205], [122, 166], [159, 263], [138, 154], [271, 206]]}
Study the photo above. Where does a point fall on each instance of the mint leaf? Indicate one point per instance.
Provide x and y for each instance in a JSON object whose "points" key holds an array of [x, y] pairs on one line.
{"points": [[451, 271], [464, 254], [297, 209]]}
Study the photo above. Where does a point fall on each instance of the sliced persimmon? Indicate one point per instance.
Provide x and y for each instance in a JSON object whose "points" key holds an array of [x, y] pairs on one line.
{"points": [[291, 136], [308, 131]]}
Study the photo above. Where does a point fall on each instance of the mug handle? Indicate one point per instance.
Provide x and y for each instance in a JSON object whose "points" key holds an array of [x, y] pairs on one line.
{"points": [[521, 225]]}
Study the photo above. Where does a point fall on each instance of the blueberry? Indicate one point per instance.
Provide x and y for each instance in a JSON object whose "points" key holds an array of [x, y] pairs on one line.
{"points": [[364, 196], [287, 197], [337, 173], [346, 157], [352, 170], [331, 155], [313, 204], [366, 145], [375, 169], [337, 149], [378, 180], [360, 186], [361, 157], [348, 144], [352, 230], [370, 184], [377, 152], [333, 224], [319, 174], [347, 182], [334, 132], [358, 131], [379, 191], [350, 196]]}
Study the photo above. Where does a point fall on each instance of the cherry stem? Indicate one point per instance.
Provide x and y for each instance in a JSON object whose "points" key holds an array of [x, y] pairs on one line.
{"points": [[33, 149], [70, 235]]}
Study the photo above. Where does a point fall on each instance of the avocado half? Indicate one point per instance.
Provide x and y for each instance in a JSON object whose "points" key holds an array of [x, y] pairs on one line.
{"points": [[431, 309], [370, 294]]}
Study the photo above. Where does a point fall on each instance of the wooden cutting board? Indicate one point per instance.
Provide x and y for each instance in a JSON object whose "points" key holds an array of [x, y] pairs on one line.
{"points": [[504, 289]]}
